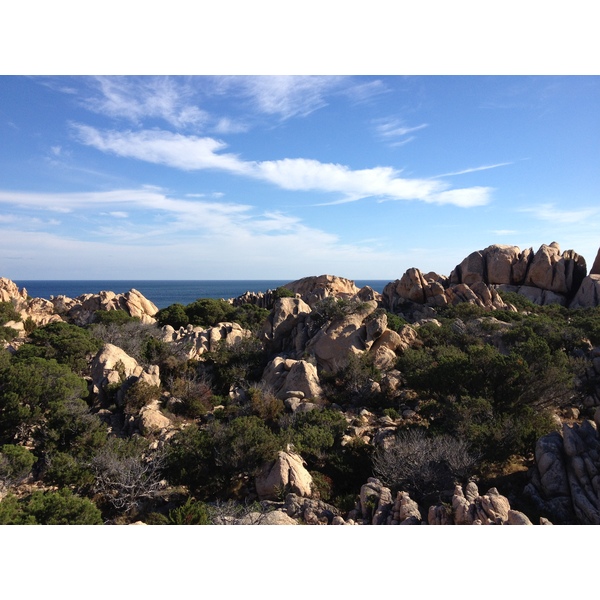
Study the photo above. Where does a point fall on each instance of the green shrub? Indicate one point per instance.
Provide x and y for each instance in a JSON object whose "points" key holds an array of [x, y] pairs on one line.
{"points": [[8, 313], [283, 292], [49, 508], [394, 322], [190, 513], [173, 315], [65, 343], [30, 390], [332, 308], [15, 464]]}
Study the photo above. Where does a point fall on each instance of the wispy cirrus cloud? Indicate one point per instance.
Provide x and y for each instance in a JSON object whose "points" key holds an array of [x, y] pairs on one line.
{"points": [[549, 212], [364, 92], [140, 98], [395, 132], [285, 96], [473, 170], [300, 174]]}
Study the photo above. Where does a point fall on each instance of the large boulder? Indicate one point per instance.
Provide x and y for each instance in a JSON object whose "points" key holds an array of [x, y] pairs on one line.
{"points": [[565, 482], [315, 288], [283, 328], [112, 365], [285, 375], [588, 294], [286, 474], [332, 344]]}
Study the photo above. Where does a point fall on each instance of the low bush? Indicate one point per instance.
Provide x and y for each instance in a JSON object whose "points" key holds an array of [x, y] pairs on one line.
{"points": [[49, 508]]}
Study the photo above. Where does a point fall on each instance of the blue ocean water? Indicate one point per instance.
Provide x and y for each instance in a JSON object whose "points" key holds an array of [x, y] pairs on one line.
{"points": [[163, 292]]}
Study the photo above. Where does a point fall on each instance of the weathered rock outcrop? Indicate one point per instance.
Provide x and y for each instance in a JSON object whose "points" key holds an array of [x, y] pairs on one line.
{"points": [[313, 289], [588, 294], [565, 482], [81, 310], [195, 341], [332, 344], [469, 508], [114, 366], [10, 292], [292, 378], [41, 311], [312, 511], [152, 420], [546, 277], [285, 329], [286, 474], [436, 291]]}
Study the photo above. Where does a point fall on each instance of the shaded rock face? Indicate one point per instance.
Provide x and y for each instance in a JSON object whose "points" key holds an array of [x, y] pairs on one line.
{"points": [[284, 328], [588, 294], [565, 482], [312, 511], [595, 270]]}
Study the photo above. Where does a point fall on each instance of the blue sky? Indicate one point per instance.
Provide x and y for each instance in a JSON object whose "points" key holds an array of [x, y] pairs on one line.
{"points": [[260, 177]]}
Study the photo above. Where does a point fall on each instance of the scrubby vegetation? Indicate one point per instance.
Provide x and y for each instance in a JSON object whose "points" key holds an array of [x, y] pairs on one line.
{"points": [[475, 390]]}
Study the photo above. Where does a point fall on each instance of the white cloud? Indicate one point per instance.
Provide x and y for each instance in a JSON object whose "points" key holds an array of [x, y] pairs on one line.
{"points": [[119, 214], [306, 174], [465, 197], [473, 170], [396, 128], [363, 92], [211, 236], [549, 212], [163, 147], [286, 96], [225, 125], [195, 153], [137, 98]]}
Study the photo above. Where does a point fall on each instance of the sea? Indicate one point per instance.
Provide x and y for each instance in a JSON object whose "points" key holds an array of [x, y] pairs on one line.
{"points": [[163, 293]]}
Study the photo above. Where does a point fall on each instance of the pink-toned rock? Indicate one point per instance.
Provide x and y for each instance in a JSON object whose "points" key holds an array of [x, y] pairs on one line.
{"points": [[315, 288], [333, 343]]}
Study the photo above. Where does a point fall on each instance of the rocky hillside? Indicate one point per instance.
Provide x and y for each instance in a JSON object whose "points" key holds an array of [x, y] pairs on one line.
{"points": [[316, 403]]}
